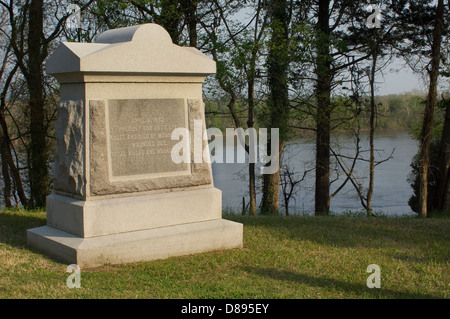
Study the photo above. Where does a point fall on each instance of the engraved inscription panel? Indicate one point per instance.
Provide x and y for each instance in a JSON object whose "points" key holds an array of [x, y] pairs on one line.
{"points": [[140, 136]]}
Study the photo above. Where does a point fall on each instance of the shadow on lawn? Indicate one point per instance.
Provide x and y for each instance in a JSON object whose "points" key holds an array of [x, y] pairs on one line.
{"points": [[357, 232], [345, 287], [13, 227]]}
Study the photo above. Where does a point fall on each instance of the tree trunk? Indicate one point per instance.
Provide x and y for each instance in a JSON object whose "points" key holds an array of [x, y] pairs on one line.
{"points": [[5, 173], [323, 120], [278, 103], [7, 158], [442, 194], [252, 188], [270, 202], [190, 9], [8, 167], [250, 123], [424, 159], [39, 172], [4, 139], [371, 136]]}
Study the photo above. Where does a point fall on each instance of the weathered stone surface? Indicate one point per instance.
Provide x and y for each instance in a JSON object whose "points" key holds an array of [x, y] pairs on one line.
{"points": [[102, 179], [99, 171], [69, 166], [140, 136], [197, 112]]}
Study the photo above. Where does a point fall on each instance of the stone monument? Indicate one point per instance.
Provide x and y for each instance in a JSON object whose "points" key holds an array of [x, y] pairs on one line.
{"points": [[118, 196]]}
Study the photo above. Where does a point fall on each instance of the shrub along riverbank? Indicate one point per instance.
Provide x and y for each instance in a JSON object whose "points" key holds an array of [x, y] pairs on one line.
{"points": [[283, 257]]}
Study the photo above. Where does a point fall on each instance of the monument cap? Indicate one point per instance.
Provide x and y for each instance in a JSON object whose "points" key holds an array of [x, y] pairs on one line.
{"points": [[145, 48]]}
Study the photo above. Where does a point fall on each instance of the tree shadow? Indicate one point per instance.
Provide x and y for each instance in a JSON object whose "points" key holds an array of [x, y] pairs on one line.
{"points": [[13, 227], [356, 232], [422, 259], [345, 287]]}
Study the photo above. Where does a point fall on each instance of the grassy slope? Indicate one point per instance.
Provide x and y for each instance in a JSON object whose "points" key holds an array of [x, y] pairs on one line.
{"points": [[294, 257]]}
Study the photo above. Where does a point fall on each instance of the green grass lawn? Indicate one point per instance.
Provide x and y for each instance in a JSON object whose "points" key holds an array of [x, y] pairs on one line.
{"points": [[283, 257]]}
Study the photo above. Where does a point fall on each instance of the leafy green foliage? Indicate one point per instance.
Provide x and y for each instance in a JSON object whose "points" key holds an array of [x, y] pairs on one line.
{"points": [[413, 177]]}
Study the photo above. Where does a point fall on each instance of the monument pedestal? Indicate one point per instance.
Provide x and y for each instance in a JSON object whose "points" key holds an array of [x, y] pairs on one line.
{"points": [[99, 217], [135, 228], [142, 245]]}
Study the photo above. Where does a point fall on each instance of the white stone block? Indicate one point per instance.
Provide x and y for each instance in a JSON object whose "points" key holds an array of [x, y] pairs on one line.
{"points": [[117, 215], [144, 245]]}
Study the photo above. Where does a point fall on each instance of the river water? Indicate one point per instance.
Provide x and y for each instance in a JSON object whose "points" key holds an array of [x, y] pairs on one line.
{"points": [[391, 188]]}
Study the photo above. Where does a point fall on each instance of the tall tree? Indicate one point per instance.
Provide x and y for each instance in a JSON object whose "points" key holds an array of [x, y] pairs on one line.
{"points": [[442, 194], [433, 72], [237, 52], [31, 43], [251, 71], [323, 116], [27, 49], [278, 101], [9, 168], [423, 24], [4, 139], [39, 170], [335, 51], [377, 40]]}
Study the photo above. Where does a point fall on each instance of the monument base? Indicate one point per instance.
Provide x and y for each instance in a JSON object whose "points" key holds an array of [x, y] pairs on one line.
{"points": [[100, 217], [136, 246], [92, 233]]}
